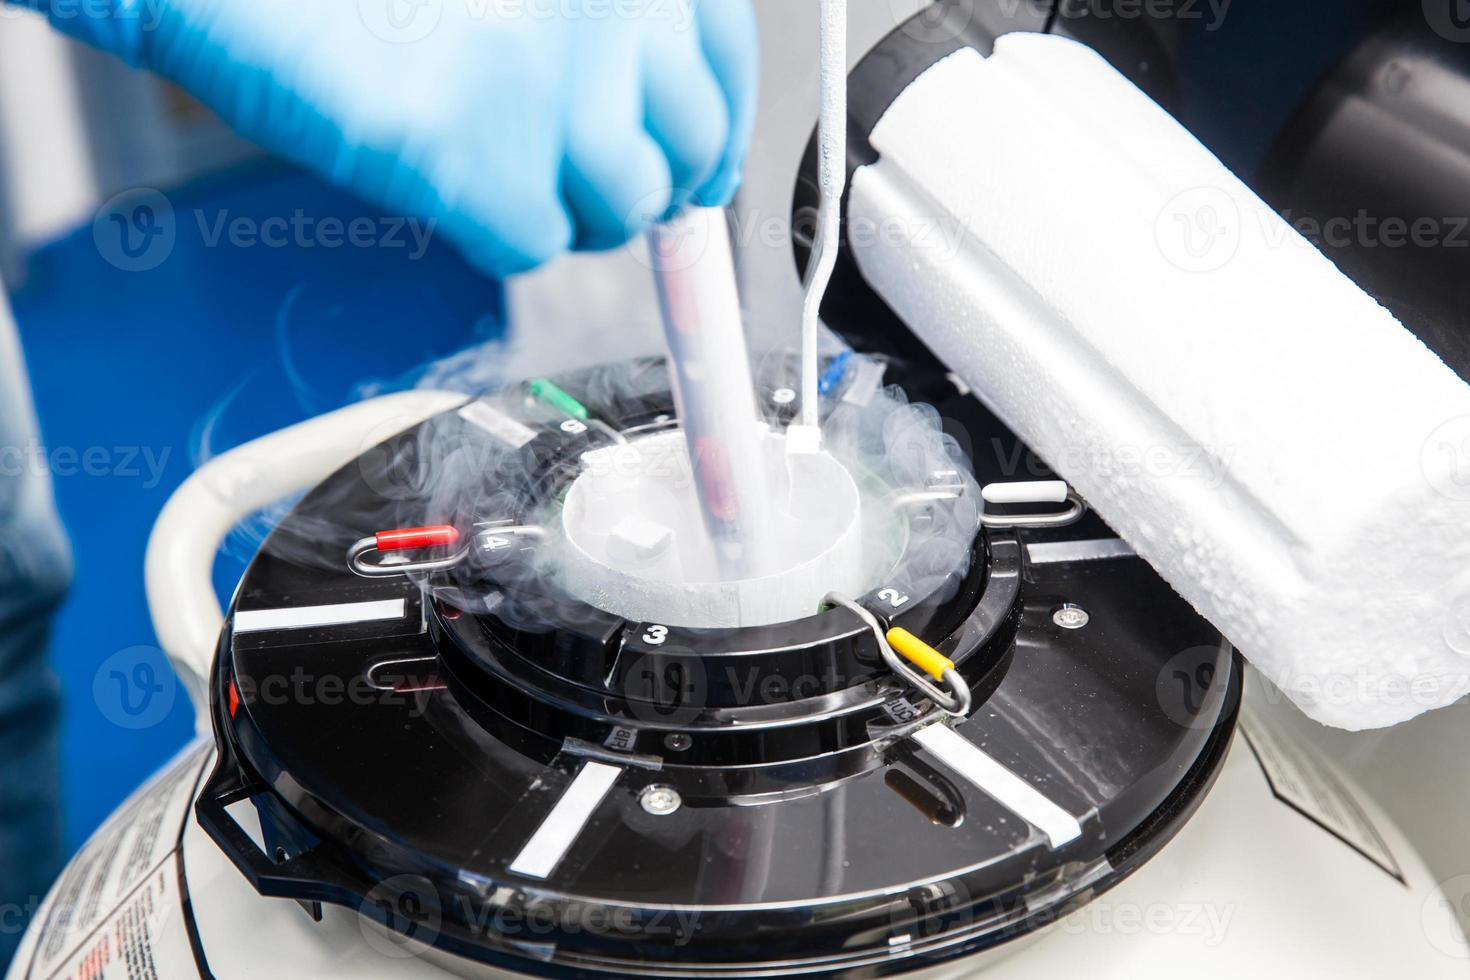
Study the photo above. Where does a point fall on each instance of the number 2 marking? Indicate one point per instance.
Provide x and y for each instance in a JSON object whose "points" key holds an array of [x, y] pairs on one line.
{"points": [[893, 597]]}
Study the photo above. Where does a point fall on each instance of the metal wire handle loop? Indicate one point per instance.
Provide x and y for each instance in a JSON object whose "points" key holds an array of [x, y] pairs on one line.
{"points": [[1076, 509], [359, 553], [955, 701]]}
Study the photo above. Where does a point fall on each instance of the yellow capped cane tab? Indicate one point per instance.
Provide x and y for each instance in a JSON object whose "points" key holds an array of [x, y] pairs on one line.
{"points": [[919, 653]]}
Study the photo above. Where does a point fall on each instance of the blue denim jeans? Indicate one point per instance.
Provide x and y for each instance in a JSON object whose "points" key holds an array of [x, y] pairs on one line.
{"points": [[35, 567]]}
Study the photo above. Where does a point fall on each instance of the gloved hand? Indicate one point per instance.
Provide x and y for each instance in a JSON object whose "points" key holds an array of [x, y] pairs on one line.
{"points": [[519, 127]]}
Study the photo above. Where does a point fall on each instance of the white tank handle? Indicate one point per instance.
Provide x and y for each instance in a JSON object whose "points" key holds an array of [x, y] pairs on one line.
{"points": [[179, 567]]}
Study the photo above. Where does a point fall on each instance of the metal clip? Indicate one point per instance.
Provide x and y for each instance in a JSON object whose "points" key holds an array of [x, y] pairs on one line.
{"points": [[662, 423], [490, 540], [1039, 492], [941, 487], [358, 560], [955, 701]]}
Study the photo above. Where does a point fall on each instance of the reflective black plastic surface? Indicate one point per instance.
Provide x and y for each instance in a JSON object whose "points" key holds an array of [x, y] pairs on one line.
{"points": [[401, 765]]}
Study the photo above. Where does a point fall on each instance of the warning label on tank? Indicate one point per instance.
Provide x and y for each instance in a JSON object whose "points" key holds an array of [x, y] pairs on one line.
{"points": [[117, 911], [1303, 781], [143, 939]]}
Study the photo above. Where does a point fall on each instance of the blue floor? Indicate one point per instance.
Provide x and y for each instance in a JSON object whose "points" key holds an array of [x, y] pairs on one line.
{"points": [[139, 373]]}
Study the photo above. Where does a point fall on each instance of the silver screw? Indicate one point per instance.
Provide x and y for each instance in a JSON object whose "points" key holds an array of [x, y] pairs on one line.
{"points": [[783, 396], [1070, 617], [677, 742], [660, 800]]}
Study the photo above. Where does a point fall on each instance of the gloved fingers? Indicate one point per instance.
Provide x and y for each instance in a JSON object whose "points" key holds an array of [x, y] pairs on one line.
{"points": [[614, 196], [505, 217], [687, 113], [504, 245], [727, 31], [615, 178]]}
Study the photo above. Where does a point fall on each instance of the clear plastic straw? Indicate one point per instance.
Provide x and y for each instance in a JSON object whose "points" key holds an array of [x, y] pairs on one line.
{"points": [[710, 369]]}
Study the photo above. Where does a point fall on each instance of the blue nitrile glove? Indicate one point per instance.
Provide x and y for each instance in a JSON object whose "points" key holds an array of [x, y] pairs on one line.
{"points": [[520, 128]]}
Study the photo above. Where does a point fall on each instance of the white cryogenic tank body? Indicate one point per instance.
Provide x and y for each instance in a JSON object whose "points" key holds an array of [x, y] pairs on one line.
{"points": [[1284, 869], [1252, 886], [1259, 429]]}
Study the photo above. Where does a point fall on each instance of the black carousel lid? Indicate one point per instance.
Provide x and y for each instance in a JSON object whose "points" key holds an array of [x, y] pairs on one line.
{"points": [[535, 783]]}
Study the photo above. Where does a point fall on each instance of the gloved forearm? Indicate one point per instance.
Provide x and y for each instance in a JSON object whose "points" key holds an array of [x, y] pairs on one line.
{"points": [[519, 129]]}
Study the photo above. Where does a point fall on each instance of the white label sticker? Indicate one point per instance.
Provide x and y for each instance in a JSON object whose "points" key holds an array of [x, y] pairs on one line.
{"points": [[1303, 781], [865, 383], [498, 424], [122, 888]]}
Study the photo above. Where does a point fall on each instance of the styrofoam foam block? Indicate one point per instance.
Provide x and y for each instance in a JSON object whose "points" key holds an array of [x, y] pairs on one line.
{"points": [[1288, 456]]}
